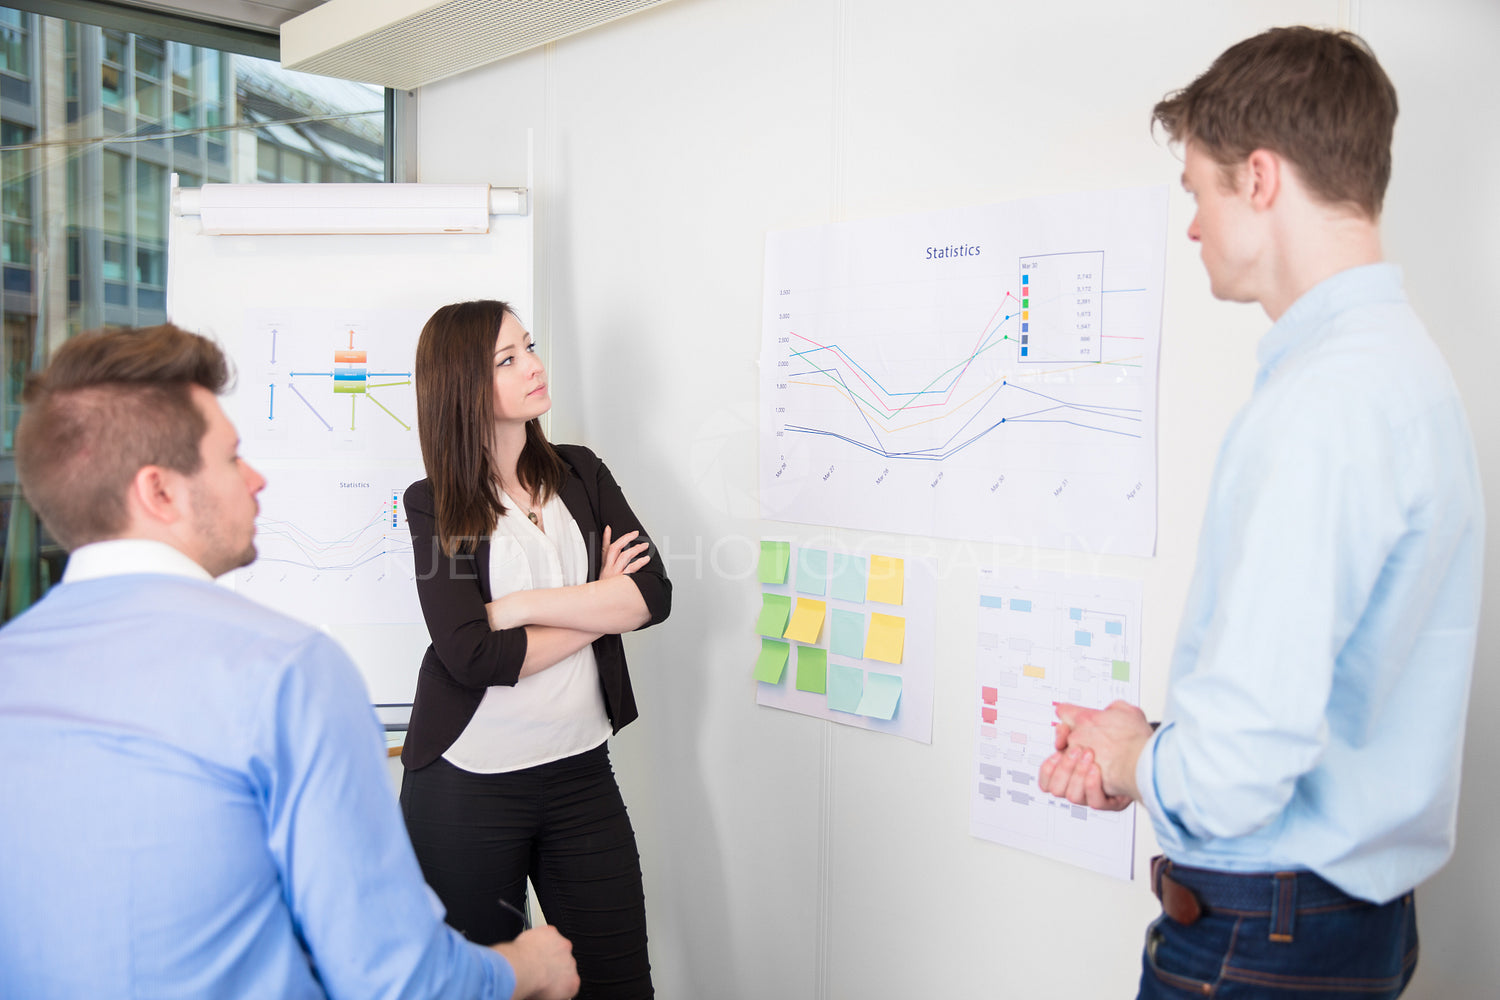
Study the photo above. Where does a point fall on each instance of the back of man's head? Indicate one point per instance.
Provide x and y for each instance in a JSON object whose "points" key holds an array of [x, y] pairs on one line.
{"points": [[108, 404], [1317, 98]]}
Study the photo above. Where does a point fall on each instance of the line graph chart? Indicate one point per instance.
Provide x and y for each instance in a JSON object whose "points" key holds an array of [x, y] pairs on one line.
{"points": [[1005, 392], [333, 546]]}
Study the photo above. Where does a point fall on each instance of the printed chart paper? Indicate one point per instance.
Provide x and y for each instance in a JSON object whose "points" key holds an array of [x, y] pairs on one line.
{"points": [[860, 653], [1044, 638], [985, 373]]}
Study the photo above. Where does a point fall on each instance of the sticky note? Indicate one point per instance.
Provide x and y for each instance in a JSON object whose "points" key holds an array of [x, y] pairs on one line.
{"points": [[848, 578], [774, 609], [886, 576], [887, 636], [989, 714], [847, 633], [1031, 670], [807, 620], [882, 692], [846, 687], [812, 572], [772, 660], [1119, 670], [774, 557], [812, 669]]}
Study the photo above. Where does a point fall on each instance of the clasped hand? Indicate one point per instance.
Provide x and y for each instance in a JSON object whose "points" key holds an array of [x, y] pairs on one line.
{"points": [[1097, 749]]}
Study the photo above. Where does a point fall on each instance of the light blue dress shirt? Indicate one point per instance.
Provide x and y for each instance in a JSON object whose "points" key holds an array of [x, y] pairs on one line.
{"points": [[1315, 714], [193, 804]]}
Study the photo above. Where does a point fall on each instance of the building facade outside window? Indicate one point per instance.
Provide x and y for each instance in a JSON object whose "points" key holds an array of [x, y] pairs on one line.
{"points": [[94, 122]]}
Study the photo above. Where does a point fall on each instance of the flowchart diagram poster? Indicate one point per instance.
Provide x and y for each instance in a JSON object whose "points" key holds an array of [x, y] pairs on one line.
{"points": [[1045, 638], [328, 384], [985, 373]]}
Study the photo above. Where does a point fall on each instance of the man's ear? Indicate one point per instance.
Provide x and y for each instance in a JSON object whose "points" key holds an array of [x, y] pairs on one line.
{"points": [[1263, 171], [156, 494]]}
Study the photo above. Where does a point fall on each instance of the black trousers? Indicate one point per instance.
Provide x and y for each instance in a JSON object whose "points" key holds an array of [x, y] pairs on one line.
{"points": [[479, 836]]}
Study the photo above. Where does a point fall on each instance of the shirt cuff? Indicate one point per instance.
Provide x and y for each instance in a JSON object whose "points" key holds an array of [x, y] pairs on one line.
{"points": [[1168, 833]]}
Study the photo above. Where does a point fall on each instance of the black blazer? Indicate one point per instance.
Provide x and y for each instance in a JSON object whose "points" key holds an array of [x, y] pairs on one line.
{"points": [[466, 655]]}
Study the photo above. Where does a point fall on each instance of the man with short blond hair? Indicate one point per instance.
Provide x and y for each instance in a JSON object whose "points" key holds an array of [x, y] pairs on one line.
{"points": [[194, 797], [1305, 775]]}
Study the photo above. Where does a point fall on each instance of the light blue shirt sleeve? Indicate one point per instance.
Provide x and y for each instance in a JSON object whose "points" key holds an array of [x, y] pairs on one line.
{"points": [[1305, 510], [352, 883]]}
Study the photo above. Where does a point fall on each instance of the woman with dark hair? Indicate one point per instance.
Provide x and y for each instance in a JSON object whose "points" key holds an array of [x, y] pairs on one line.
{"points": [[529, 566]]}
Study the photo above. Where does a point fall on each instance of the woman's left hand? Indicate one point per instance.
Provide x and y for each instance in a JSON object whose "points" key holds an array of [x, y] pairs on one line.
{"points": [[620, 557]]}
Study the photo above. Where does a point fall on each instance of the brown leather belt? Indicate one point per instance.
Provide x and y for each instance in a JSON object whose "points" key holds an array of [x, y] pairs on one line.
{"points": [[1177, 900]]}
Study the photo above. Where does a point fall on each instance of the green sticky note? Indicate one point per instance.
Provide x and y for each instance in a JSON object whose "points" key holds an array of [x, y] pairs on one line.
{"points": [[812, 572], [812, 669], [882, 692], [772, 660], [845, 687], [1120, 670], [774, 557], [847, 633], [775, 609], [848, 578]]}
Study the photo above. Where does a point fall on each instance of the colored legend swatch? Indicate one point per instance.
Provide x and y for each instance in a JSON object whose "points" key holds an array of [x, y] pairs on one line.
{"points": [[772, 661], [886, 580], [774, 558], [812, 572], [847, 633], [807, 620], [886, 639], [846, 687], [812, 669], [774, 609], [848, 578]]}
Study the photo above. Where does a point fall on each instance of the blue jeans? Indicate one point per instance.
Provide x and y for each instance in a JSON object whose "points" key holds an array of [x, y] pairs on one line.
{"points": [[1288, 938]]}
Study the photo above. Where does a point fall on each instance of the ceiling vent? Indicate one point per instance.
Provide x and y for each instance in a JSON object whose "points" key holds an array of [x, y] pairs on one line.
{"points": [[407, 43]]}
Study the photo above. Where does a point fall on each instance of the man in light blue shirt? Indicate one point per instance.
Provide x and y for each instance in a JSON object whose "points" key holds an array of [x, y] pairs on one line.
{"points": [[194, 802], [1305, 776]]}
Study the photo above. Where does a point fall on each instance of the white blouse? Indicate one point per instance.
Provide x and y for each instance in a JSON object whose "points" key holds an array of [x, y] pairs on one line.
{"points": [[554, 713]]}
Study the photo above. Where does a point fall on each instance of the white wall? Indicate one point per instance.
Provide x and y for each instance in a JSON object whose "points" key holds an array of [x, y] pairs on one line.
{"points": [[786, 857]]}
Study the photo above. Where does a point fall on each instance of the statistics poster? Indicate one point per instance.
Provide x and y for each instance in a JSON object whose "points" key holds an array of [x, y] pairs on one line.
{"points": [[983, 373]]}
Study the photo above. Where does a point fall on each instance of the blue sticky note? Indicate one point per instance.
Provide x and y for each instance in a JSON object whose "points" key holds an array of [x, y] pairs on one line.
{"points": [[1076, 614], [1083, 638], [847, 634], [1016, 604], [846, 686], [848, 578], [882, 692], [1113, 628], [812, 572]]}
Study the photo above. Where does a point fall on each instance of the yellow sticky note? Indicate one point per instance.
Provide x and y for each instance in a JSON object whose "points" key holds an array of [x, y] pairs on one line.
{"points": [[886, 638], [1031, 670], [886, 576], [807, 620]]}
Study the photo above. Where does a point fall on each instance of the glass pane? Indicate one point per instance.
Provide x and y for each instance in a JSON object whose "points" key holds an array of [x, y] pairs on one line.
{"points": [[150, 201], [17, 242], [148, 57], [182, 66], [114, 260], [182, 109], [147, 98], [107, 202]]}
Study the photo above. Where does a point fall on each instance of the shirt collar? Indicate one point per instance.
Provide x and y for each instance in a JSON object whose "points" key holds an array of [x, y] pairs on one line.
{"points": [[120, 556], [1356, 286]]}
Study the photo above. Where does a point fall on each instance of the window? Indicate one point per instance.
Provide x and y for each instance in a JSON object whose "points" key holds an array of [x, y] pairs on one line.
{"points": [[94, 168], [15, 49]]}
